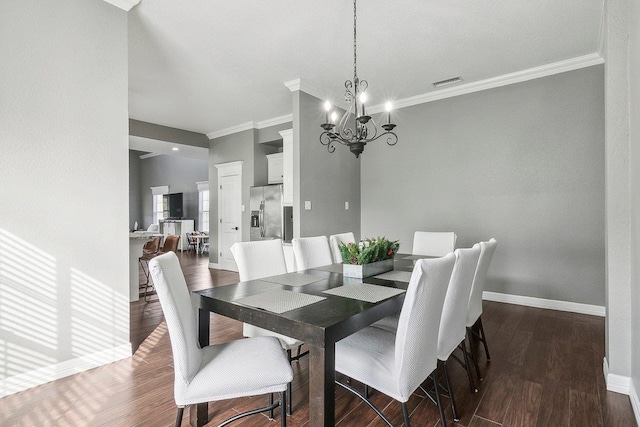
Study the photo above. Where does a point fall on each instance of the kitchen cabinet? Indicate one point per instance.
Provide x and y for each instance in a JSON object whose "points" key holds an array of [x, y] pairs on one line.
{"points": [[275, 168]]}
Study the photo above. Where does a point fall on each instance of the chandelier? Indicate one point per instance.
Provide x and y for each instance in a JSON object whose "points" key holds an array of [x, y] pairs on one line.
{"points": [[363, 129]]}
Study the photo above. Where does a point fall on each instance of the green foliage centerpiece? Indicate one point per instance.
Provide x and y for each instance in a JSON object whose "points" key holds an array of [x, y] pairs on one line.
{"points": [[368, 257]]}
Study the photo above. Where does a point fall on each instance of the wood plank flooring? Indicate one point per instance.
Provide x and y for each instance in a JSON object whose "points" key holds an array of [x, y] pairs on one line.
{"points": [[546, 370]]}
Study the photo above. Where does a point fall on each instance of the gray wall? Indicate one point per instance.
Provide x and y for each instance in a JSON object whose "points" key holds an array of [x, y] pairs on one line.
{"points": [[230, 148], [135, 195], [179, 173], [165, 133], [63, 191], [246, 146], [634, 70], [522, 163], [327, 180]]}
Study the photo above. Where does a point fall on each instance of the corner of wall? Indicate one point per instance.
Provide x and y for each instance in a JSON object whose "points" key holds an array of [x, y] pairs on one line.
{"points": [[635, 401], [616, 383]]}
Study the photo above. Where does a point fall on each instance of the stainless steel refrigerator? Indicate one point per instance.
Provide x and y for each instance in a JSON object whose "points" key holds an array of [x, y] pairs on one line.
{"points": [[269, 218]]}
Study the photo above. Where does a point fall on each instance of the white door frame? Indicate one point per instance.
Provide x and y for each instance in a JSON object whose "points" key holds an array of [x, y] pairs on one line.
{"points": [[228, 169]]}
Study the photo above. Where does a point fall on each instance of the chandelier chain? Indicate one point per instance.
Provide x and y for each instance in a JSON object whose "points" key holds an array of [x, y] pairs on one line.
{"points": [[355, 75]]}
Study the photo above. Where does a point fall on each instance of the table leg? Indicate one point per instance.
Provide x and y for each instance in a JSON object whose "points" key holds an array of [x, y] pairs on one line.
{"points": [[322, 400], [198, 414]]}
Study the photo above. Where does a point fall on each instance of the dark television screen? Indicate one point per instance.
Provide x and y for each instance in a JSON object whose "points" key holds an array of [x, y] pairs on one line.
{"points": [[173, 205]]}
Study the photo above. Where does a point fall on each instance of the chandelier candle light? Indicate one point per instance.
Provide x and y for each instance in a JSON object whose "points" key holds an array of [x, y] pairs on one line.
{"points": [[364, 128]]}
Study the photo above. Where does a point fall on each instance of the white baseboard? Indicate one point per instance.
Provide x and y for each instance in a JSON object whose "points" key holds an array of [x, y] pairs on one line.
{"points": [[574, 307], [616, 383], [26, 380], [635, 401], [214, 265]]}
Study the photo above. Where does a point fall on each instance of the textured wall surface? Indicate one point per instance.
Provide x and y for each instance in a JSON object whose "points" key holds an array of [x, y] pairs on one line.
{"points": [[523, 163], [64, 247]]}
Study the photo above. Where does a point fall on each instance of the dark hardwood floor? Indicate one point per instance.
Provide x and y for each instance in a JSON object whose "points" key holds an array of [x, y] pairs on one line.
{"points": [[546, 370]]}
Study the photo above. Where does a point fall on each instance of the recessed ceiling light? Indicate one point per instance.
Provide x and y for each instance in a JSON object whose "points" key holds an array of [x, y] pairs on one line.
{"points": [[175, 148], [447, 81]]}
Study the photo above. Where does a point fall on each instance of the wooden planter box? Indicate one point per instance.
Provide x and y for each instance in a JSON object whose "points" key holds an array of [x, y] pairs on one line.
{"points": [[367, 270]]}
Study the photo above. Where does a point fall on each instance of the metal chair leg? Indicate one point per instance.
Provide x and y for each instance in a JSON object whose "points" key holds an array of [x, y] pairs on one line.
{"points": [[289, 398], [454, 409], [284, 408], [472, 384], [473, 353], [366, 391], [484, 339], [443, 421], [405, 414], [179, 416], [271, 405]]}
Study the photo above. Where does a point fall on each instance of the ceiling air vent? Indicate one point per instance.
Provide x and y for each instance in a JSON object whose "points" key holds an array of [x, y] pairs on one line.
{"points": [[447, 81]]}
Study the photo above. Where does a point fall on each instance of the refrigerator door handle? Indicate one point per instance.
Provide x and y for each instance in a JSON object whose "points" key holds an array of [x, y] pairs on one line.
{"points": [[261, 218]]}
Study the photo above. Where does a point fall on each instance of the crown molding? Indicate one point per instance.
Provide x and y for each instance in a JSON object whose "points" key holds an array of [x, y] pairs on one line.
{"points": [[233, 129], [155, 147], [125, 5], [504, 80], [304, 86], [149, 155], [462, 89], [251, 125], [275, 121], [603, 30]]}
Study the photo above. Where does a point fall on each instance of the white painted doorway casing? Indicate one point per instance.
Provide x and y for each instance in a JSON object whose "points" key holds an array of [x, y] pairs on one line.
{"points": [[229, 212]]}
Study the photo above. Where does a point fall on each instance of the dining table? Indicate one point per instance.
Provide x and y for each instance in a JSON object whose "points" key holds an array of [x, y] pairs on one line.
{"points": [[319, 306]]}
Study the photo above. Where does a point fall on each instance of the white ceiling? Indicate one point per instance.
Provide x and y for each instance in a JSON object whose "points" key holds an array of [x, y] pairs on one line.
{"points": [[208, 65]]}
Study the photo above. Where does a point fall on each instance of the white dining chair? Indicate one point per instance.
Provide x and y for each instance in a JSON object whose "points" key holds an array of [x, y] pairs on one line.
{"points": [[311, 252], [433, 243], [256, 260], [475, 330], [397, 363], [247, 367], [334, 242], [454, 315]]}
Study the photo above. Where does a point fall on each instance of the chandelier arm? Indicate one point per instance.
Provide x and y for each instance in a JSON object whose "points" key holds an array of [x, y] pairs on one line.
{"points": [[327, 139]]}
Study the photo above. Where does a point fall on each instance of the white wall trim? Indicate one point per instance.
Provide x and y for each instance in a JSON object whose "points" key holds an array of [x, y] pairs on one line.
{"points": [[635, 401], [574, 307], [231, 130], [159, 190], [149, 155], [229, 168], [251, 125], [214, 265], [463, 89], [125, 5], [615, 383], [275, 121], [26, 380], [304, 86], [504, 80]]}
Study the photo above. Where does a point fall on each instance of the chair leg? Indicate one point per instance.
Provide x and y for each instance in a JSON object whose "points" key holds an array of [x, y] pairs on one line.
{"points": [[271, 405], [473, 353], [454, 409], [443, 421], [179, 416], [405, 414], [366, 391], [484, 339], [465, 354], [284, 407], [289, 398]]}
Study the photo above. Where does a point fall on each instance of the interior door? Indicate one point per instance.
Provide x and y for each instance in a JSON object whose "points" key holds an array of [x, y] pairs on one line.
{"points": [[230, 218]]}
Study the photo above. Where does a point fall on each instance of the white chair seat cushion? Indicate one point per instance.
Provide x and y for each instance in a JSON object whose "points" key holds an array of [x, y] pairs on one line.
{"points": [[389, 323], [286, 342], [369, 356], [239, 368]]}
